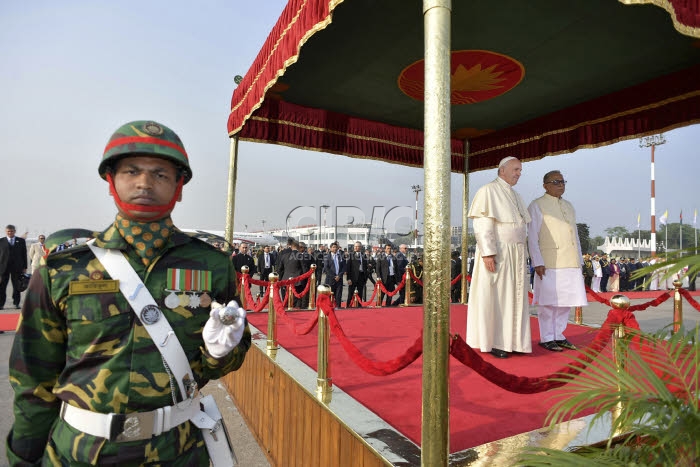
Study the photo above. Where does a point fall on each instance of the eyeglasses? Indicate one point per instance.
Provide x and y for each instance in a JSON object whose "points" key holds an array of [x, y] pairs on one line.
{"points": [[558, 182]]}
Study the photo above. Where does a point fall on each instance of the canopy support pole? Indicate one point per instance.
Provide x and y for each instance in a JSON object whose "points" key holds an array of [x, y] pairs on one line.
{"points": [[231, 198], [437, 168], [465, 226]]}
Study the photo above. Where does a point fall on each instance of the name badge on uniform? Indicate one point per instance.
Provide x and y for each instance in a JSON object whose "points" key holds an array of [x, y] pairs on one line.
{"points": [[93, 287], [185, 286]]}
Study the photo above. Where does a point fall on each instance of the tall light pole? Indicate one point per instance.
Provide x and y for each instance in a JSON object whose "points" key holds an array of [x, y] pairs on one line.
{"points": [[653, 141], [325, 210], [417, 189], [263, 224]]}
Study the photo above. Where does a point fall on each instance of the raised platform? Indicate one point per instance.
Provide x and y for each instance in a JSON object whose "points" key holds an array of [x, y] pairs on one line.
{"points": [[375, 420]]}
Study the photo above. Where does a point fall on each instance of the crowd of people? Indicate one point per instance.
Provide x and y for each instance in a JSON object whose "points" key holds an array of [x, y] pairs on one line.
{"points": [[617, 274], [342, 269]]}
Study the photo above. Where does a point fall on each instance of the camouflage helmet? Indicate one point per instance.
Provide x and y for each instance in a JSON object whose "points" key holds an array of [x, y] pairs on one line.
{"points": [[145, 138]]}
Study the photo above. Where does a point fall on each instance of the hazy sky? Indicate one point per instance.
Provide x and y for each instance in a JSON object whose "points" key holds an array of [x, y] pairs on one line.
{"points": [[73, 71]]}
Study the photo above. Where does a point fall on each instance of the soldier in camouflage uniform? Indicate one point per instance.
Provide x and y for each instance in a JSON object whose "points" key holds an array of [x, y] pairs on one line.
{"points": [[80, 343]]}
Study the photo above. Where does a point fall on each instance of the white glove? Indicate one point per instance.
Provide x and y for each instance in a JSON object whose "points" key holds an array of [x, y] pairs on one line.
{"points": [[220, 338]]}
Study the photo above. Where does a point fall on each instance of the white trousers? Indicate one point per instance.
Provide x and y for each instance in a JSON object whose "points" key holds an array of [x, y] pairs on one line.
{"points": [[595, 285], [552, 321]]}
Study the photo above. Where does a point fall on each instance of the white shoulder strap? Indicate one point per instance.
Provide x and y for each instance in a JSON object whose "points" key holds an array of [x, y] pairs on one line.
{"points": [[156, 324]]}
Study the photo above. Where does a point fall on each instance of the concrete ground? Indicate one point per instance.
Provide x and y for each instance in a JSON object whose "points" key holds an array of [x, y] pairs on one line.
{"points": [[246, 447]]}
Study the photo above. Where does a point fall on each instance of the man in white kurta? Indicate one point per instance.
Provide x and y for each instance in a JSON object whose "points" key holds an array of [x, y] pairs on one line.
{"points": [[498, 315], [555, 252], [597, 274]]}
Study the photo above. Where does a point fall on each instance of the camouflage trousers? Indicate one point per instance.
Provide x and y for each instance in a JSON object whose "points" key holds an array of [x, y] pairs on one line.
{"points": [[181, 446]]}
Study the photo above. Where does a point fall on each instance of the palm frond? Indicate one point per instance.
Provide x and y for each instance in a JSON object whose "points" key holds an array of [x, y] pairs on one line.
{"points": [[650, 382]]}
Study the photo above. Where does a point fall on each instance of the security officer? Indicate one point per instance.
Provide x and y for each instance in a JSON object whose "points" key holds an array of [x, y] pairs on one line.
{"points": [[83, 363]]}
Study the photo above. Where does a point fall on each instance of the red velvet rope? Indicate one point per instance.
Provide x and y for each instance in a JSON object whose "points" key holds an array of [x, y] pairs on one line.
{"points": [[396, 290], [452, 283], [257, 306], [642, 306], [656, 302], [690, 299], [415, 279], [294, 280], [370, 366], [279, 309], [531, 385], [303, 292], [369, 302], [258, 282]]}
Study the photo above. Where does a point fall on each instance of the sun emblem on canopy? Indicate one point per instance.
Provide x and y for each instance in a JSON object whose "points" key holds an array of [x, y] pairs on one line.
{"points": [[477, 75]]}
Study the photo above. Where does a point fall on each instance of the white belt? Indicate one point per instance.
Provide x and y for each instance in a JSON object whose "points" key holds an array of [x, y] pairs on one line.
{"points": [[129, 427]]}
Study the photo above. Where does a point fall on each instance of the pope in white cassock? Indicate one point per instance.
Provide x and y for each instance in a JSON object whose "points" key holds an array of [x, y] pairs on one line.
{"points": [[555, 252], [498, 314]]}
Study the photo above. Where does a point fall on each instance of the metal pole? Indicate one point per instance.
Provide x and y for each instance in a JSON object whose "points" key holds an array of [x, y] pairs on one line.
{"points": [[272, 345], [324, 388], [407, 295], [437, 164], [653, 141], [231, 198], [312, 288], [417, 189], [465, 225], [677, 307], [620, 302], [653, 206], [244, 276]]}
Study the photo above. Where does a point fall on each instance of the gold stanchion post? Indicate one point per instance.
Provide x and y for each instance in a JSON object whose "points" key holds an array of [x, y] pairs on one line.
{"points": [[272, 345], [379, 292], [312, 288], [619, 302], [244, 281], [578, 315], [407, 295], [290, 296], [324, 387], [677, 307], [355, 299]]}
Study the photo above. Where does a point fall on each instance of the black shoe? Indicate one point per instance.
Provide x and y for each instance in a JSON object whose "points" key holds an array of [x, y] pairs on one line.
{"points": [[498, 353], [566, 344], [551, 346]]}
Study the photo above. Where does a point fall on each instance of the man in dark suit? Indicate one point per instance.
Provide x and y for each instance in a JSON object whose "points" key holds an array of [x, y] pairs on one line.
{"points": [[291, 266], [243, 259], [356, 270], [386, 271], [334, 268], [281, 257], [455, 270], [317, 256], [13, 262], [306, 261], [604, 263], [401, 263], [265, 265]]}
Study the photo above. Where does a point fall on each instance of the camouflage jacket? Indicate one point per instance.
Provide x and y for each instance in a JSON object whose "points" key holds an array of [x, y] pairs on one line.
{"points": [[90, 350]]}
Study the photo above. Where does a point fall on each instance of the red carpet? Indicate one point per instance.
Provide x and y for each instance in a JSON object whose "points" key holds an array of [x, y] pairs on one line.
{"points": [[479, 411], [8, 321]]}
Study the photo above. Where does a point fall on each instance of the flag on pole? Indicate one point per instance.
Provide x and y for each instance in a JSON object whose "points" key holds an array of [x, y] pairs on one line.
{"points": [[681, 217], [664, 218], [639, 217], [695, 217]]}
